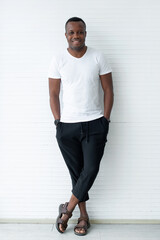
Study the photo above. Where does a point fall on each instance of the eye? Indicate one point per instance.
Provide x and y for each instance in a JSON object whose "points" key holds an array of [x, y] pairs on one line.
{"points": [[71, 33], [81, 32]]}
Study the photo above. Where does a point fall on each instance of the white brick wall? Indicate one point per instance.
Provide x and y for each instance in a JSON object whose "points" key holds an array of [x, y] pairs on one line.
{"points": [[32, 171]]}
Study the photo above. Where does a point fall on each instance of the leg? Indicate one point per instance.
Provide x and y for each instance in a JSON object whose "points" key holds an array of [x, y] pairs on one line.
{"points": [[92, 152], [82, 208], [83, 213], [71, 149], [72, 153]]}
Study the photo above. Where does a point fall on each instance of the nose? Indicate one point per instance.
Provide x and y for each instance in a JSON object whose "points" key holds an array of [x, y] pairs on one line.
{"points": [[76, 35]]}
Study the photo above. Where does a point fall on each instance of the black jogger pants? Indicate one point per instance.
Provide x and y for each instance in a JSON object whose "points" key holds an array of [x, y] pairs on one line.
{"points": [[82, 146]]}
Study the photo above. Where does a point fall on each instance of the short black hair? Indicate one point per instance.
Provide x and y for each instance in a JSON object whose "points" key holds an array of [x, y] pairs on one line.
{"points": [[75, 19]]}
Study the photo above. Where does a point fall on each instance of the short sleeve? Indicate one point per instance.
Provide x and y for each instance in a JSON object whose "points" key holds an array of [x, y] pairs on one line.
{"points": [[53, 71], [104, 66]]}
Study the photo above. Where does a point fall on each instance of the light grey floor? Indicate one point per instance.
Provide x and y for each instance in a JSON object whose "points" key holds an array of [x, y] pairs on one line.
{"points": [[96, 232]]}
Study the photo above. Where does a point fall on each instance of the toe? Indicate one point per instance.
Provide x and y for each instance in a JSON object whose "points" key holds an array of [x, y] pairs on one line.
{"points": [[82, 230], [61, 227], [77, 230]]}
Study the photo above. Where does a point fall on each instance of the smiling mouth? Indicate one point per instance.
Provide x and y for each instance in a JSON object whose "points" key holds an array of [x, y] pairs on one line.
{"points": [[76, 41]]}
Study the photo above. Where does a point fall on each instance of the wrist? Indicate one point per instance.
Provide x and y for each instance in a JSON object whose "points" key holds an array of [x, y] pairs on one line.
{"points": [[107, 118], [56, 121]]}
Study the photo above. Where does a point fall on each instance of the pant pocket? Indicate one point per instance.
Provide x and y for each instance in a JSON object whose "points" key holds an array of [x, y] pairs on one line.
{"points": [[105, 123], [58, 130]]}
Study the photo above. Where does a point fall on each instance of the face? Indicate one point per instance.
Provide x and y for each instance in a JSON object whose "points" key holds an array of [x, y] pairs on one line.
{"points": [[76, 34]]}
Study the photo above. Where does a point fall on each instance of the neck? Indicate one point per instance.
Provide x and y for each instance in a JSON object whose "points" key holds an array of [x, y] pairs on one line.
{"points": [[77, 52]]}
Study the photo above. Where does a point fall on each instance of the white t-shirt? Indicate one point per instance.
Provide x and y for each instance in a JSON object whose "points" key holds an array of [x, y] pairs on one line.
{"points": [[80, 84]]}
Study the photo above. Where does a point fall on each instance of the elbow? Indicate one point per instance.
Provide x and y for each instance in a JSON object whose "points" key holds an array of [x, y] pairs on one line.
{"points": [[53, 98], [109, 91], [53, 95]]}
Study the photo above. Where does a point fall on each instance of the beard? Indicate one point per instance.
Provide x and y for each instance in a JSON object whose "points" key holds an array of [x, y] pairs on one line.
{"points": [[77, 48]]}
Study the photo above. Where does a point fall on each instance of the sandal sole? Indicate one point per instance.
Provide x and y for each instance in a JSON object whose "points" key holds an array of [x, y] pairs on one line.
{"points": [[59, 216]]}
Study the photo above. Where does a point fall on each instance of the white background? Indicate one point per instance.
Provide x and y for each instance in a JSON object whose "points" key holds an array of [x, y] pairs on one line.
{"points": [[33, 177]]}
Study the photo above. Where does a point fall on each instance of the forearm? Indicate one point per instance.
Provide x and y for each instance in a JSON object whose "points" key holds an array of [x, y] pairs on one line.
{"points": [[108, 103], [55, 106]]}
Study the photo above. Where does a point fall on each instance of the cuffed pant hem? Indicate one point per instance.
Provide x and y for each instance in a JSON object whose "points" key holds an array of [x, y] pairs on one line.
{"points": [[79, 198]]}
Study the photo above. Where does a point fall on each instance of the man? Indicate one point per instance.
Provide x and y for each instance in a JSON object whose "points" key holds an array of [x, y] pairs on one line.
{"points": [[81, 123]]}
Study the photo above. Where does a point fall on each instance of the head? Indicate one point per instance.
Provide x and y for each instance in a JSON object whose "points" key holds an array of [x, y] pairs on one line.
{"points": [[75, 32]]}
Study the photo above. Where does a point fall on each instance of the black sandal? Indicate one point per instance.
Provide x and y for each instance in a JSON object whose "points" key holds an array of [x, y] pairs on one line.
{"points": [[85, 227], [62, 210]]}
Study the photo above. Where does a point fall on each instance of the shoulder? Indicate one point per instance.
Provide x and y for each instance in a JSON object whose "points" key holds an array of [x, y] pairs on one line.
{"points": [[97, 55], [57, 56], [101, 61]]}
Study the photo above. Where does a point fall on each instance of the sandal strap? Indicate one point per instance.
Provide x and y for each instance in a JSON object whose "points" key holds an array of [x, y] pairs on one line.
{"points": [[83, 218], [86, 226], [65, 211], [61, 221]]}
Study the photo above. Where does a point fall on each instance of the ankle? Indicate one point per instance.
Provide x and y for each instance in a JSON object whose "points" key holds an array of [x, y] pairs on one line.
{"points": [[65, 217], [84, 214]]}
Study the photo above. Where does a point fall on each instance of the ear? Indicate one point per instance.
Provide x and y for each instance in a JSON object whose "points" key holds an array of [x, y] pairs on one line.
{"points": [[66, 34], [85, 33]]}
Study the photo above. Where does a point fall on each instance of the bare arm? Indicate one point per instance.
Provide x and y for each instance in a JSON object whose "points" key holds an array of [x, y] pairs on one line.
{"points": [[54, 90], [107, 85]]}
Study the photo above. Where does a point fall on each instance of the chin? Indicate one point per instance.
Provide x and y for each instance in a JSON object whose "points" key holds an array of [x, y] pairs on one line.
{"points": [[77, 48]]}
